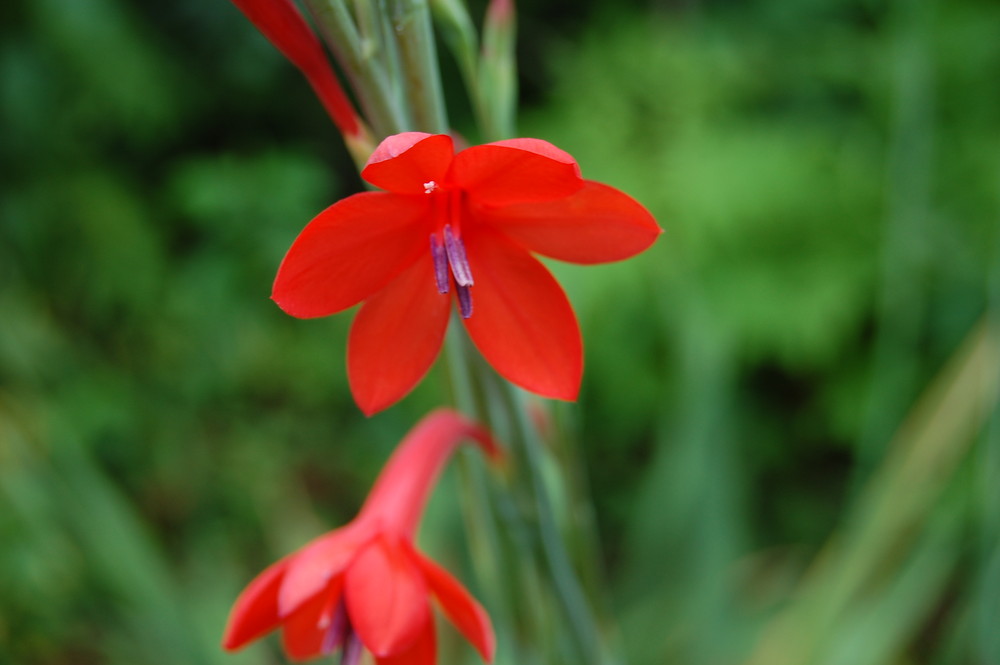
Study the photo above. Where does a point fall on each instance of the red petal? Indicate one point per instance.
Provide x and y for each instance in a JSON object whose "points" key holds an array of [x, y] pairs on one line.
{"points": [[543, 148], [462, 609], [283, 25], [521, 321], [398, 497], [349, 251], [423, 651], [596, 225], [405, 163], [395, 338], [255, 612], [386, 599], [305, 630], [312, 567], [515, 171]]}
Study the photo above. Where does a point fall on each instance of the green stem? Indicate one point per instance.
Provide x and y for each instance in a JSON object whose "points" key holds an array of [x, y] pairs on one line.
{"points": [[369, 27], [497, 76], [515, 527], [568, 590], [481, 508], [453, 22], [411, 22], [582, 538], [359, 59]]}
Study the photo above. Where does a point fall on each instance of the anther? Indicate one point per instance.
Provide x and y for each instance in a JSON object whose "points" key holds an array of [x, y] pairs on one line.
{"points": [[464, 301], [457, 258], [440, 257]]}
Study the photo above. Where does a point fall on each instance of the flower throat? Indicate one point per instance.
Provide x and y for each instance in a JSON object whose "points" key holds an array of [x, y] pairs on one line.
{"points": [[448, 251]]}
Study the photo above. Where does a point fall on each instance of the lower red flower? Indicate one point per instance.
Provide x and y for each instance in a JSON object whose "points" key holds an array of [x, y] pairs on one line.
{"points": [[365, 585]]}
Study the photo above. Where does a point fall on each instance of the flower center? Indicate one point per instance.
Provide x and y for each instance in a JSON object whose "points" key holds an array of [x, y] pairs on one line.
{"points": [[448, 252], [340, 633]]}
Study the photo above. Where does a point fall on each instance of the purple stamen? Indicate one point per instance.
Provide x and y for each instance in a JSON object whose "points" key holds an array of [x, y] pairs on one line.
{"points": [[452, 253], [340, 633], [440, 257], [352, 649], [337, 627], [464, 301], [457, 258]]}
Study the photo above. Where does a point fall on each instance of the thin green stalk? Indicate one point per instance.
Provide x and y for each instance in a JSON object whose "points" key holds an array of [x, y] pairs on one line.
{"points": [[369, 27], [519, 525], [570, 594], [487, 509], [497, 77], [582, 538], [391, 60], [359, 61], [379, 42], [479, 514], [456, 28], [459, 33], [411, 23], [507, 413]]}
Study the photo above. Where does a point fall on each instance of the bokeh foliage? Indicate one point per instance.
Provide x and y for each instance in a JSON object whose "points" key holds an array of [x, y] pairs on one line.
{"points": [[828, 175]]}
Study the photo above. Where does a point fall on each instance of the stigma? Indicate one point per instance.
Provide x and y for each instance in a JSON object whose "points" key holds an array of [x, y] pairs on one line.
{"points": [[448, 252]]}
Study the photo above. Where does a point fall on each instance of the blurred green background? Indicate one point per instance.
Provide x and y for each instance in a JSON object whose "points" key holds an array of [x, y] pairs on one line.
{"points": [[828, 176]]}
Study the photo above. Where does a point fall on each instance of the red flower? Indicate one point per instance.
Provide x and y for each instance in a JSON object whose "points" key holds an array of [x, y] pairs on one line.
{"points": [[466, 224], [365, 585]]}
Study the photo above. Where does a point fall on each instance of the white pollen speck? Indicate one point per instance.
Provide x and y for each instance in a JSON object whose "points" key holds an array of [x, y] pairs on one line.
{"points": [[430, 187]]}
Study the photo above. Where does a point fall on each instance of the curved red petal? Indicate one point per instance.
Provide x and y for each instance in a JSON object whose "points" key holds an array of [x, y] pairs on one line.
{"points": [[305, 631], [405, 163], [521, 320], [395, 338], [349, 251], [462, 610], [386, 598], [538, 146], [282, 23], [311, 568], [595, 225], [423, 651], [397, 499], [515, 171], [255, 612]]}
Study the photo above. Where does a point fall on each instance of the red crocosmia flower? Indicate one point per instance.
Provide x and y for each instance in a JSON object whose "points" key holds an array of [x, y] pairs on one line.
{"points": [[464, 224], [365, 585]]}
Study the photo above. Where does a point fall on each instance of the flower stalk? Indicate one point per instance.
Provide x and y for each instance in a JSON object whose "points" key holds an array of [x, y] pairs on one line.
{"points": [[515, 525], [359, 60], [459, 33], [498, 70], [421, 78]]}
